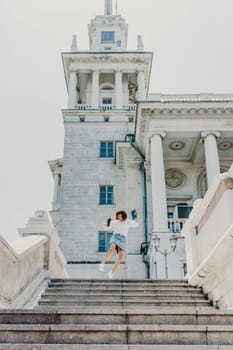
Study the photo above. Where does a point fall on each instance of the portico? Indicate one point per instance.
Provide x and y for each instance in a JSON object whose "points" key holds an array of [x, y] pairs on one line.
{"points": [[180, 141]]}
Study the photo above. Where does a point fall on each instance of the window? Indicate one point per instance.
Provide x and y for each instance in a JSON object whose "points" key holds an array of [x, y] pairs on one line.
{"points": [[106, 149], [107, 101], [108, 48], [130, 137], [82, 119], [131, 119], [106, 195], [104, 241], [107, 36], [183, 210]]}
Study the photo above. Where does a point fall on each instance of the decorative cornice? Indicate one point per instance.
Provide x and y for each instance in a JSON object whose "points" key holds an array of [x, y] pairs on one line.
{"points": [[150, 112], [110, 59]]}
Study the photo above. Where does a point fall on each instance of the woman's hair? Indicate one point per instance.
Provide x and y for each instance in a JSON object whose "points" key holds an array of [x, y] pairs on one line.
{"points": [[122, 213]]}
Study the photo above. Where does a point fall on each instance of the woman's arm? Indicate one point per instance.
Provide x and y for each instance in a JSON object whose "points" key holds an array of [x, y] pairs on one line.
{"points": [[134, 223], [106, 227]]}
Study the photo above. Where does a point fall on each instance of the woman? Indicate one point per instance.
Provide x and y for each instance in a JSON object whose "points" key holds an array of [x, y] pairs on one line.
{"points": [[120, 228]]}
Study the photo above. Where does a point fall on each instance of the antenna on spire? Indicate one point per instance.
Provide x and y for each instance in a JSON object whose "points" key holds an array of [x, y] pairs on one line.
{"points": [[116, 7], [108, 8]]}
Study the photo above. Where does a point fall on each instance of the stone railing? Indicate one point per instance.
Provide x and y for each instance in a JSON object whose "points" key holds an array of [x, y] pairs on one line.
{"points": [[209, 242], [105, 107], [176, 225], [26, 263]]}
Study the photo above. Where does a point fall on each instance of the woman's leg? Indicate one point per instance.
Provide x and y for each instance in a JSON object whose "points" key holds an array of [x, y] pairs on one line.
{"points": [[120, 257], [109, 253]]}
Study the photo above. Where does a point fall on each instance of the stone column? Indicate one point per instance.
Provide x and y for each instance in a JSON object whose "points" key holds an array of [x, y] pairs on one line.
{"points": [[211, 155], [118, 90], [95, 89], [72, 99], [141, 86], [159, 197], [56, 188]]}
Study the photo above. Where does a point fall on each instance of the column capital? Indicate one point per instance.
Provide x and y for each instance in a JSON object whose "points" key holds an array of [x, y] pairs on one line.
{"points": [[73, 70], [162, 134], [204, 134], [140, 70], [95, 71]]}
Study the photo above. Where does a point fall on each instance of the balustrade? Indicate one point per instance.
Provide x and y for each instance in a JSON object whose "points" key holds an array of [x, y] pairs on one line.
{"points": [[105, 107], [176, 225]]}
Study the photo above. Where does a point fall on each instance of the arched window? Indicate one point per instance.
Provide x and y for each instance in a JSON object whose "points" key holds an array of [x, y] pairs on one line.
{"points": [[107, 86]]}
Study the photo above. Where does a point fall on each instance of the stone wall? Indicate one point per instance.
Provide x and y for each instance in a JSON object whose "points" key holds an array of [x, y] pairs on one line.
{"points": [[28, 261], [81, 215]]}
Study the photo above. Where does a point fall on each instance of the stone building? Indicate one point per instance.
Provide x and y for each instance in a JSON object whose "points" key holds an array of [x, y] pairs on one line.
{"points": [[125, 148]]}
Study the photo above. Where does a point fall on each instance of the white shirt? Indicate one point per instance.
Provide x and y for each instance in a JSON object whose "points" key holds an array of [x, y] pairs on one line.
{"points": [[121, 227]]}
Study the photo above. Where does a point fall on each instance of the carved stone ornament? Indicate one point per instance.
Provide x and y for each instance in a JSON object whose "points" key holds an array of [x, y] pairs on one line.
{"points": [[228, 182], [177, 145], [174, 178], [40, 213], [225, 145]]}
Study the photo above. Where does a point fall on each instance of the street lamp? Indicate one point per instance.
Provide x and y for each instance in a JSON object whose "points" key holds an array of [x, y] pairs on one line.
{"points": [[165, 252]]}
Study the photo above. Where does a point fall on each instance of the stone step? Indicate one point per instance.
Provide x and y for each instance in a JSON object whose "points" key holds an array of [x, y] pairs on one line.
{"points": [[62, 303], [127, 283], [118, 334], [110, 347], [119, 297], [160, 315], [148, 289]]}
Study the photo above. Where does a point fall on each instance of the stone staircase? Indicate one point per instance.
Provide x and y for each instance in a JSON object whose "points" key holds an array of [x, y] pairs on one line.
{"points": [[118, 315]]}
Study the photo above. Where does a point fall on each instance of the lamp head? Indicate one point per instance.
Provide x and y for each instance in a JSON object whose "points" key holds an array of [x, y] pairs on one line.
{"points": [[156, 241], [173, 240]]}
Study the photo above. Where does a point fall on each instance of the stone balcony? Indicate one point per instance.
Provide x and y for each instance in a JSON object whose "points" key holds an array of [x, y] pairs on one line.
{"points": [[176, 225], [105, 107]]}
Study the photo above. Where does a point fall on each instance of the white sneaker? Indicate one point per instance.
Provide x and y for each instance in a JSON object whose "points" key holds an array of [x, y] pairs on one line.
{"points": [[101, 267], [110, 274]]}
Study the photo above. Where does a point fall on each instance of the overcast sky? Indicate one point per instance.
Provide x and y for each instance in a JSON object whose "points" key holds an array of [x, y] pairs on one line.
{"points": [[193, 53]]}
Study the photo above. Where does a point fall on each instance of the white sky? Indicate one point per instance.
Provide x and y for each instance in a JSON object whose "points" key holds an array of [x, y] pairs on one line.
{"points": [[193, 52]]}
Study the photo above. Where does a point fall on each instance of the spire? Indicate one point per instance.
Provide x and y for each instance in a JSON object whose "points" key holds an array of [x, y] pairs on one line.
{"points": [[140, 46], [108, 8], [74, 46]]}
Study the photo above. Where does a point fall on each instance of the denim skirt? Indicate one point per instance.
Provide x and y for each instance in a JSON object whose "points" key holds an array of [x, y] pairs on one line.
{"points": [[119, 240]]}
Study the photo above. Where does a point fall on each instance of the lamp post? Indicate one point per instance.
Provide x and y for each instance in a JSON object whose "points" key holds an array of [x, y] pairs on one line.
{"points": [[165, 252]]}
